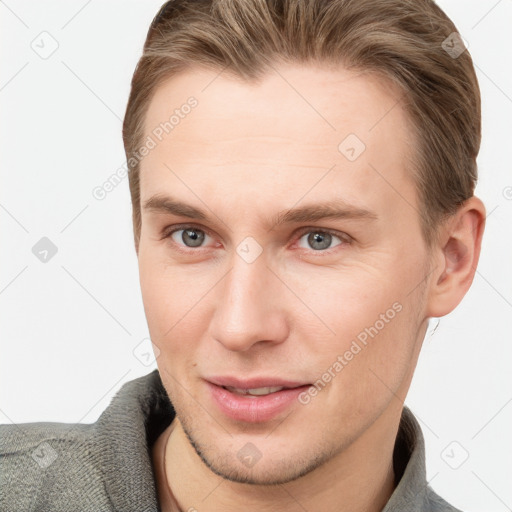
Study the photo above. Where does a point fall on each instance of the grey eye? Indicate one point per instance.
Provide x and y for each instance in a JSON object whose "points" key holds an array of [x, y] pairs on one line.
{"points": [[191, 237], [319, 240]]}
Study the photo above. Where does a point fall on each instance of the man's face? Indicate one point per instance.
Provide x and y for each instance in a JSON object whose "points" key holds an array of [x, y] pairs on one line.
{"points": [[336, 301]]}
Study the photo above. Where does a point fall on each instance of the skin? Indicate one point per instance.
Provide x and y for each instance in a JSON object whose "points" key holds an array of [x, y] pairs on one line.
{"points": [[245, 153]]}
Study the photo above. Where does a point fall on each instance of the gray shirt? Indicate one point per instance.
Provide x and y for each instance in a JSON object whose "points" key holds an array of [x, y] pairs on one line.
{"points": [[107, 466]]}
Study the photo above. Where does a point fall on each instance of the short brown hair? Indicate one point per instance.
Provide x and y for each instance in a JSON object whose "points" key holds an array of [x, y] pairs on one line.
{"points": [[403, 40]]}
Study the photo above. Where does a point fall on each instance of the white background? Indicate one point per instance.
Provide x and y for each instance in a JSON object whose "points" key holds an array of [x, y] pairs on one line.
{"points": [[71, 327]]}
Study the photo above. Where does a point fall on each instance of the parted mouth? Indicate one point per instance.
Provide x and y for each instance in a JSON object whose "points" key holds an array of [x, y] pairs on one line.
{"points": [[254, 386], [255, 391]]}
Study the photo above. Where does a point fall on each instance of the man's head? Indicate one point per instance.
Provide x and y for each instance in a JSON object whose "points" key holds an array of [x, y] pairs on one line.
{"points": [[259, 120]]}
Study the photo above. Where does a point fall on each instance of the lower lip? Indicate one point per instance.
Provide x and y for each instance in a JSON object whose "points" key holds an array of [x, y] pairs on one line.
{"points": [[253, 409]]}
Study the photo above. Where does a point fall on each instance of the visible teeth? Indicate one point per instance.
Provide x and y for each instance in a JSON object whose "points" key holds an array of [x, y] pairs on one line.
{"points": [[254, 391]]}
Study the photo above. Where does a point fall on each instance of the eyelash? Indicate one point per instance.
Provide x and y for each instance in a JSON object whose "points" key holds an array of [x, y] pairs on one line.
{"points": [[343, 237]]}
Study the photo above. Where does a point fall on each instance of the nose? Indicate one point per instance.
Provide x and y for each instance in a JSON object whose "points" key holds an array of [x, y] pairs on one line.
{"points": [[250, 307]]}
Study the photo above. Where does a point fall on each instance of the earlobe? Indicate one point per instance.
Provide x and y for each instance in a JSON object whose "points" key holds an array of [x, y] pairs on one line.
{"points": [[458, 254]]}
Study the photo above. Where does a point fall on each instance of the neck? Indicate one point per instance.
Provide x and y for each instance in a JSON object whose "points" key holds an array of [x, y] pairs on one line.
{"points": [[359, 479]]}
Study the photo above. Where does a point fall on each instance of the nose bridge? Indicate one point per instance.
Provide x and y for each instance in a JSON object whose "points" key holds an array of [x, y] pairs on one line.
{"points": [[246, 311], [248, 279]]}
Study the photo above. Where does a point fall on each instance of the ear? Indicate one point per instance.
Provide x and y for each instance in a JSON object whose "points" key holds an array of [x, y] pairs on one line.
{"points": [[455, 257]]}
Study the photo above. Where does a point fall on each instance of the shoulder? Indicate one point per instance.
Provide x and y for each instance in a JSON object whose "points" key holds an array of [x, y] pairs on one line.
{"points": [[49, 465], [103, 466]]}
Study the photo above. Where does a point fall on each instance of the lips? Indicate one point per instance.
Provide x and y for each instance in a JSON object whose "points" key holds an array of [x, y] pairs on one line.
{"points": [[253, 400]]}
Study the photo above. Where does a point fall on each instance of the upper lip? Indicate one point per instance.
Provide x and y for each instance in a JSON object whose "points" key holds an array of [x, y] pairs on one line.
{"points": [[254, 382]]}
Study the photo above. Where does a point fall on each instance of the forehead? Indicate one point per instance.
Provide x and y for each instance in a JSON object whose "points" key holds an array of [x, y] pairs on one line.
{"points": [[298, 121], [327, 101]]}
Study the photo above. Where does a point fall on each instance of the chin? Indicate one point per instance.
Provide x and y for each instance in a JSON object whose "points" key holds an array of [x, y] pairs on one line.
{"points": [[270, 473], [250, 466]]}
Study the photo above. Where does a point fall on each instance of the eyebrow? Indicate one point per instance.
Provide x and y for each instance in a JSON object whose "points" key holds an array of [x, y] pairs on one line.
{"points": [[335, 209]]}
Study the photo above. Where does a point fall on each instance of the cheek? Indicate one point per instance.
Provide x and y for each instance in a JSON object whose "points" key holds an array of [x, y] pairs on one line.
{"points": [[369, 330], [175, 299], [155, 295], [163, 295], [346, 305]]}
